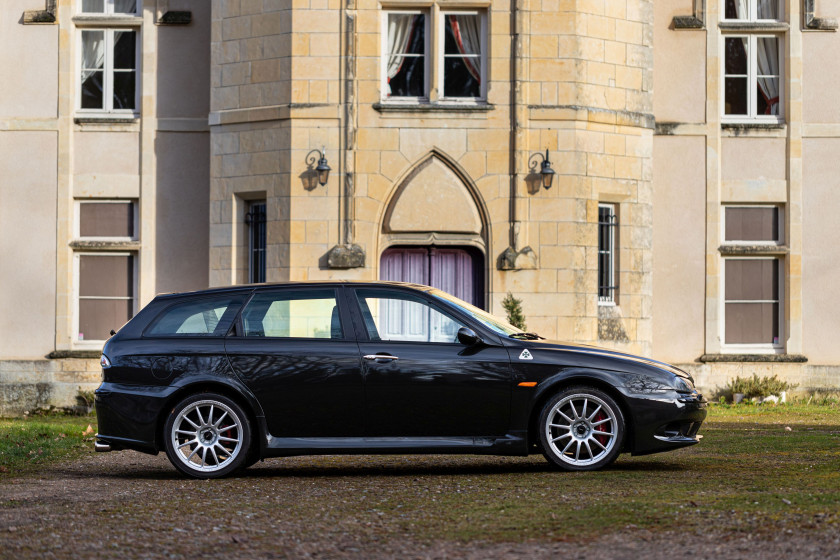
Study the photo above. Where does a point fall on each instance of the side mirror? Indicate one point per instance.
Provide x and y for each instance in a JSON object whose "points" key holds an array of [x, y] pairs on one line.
{"points": [[467, 337]]}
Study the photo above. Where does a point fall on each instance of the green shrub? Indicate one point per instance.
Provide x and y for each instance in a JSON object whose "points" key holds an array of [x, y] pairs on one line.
{"points": [[755, 386], [513, 309]]}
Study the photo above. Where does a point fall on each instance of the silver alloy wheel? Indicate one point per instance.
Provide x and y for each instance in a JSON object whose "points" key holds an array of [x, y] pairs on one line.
{"points": [[581, 429], [207, 436]]}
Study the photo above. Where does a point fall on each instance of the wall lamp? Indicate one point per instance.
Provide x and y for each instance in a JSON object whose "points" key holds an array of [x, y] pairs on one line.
{"points": [[546, 172], [322, 169]]}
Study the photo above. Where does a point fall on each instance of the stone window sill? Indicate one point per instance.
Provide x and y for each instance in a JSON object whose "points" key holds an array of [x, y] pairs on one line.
{"points": [[778, 358], [104, 245], [760, 26], [432, 107], [107, 119], [731, 250], [108, 20]]}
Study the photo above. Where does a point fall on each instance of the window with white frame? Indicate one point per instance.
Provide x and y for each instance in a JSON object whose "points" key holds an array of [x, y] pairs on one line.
{"points": [[753, 10], [105, 280], [110, 7], [459, 71], [108, 70], [752, 303], [753, 225], [106, 287], [607, 228]]}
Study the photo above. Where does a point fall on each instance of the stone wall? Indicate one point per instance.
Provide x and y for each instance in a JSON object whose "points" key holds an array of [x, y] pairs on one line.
{"points": [[26, 385]]}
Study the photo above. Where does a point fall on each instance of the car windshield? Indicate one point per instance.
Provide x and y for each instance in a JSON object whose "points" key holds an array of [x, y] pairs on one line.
{"points": [[501, 327]]}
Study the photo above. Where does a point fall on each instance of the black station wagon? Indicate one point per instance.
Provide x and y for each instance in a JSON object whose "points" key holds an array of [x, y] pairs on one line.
{"points": [[222, 378]]}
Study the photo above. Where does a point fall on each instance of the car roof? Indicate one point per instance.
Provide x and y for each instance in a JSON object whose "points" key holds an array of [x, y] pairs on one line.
{"points": [[302, 283]]}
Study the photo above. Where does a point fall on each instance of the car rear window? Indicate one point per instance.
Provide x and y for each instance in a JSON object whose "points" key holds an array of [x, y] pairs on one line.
{"points": [[211, 316]]}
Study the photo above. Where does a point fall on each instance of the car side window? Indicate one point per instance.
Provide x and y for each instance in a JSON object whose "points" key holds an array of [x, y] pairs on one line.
{"points": [[395, 316], [203, 317], [293, 314]]}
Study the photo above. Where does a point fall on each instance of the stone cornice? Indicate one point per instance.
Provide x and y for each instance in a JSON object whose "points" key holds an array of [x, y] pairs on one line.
{"points": [[697, 20], [42, 17], [814, 23]]}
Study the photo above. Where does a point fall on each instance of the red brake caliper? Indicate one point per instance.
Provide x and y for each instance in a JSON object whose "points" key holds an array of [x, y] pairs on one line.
{"points": [[601, 439]]}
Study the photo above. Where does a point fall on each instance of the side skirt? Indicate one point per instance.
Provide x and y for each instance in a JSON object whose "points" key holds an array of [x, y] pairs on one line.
{"points": [[511, 444]]}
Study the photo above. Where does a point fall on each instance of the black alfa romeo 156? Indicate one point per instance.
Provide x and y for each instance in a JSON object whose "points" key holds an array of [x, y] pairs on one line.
{"points": [[222, 378]]}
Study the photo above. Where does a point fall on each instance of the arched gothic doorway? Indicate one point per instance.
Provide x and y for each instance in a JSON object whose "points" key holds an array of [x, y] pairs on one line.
{"points": [[455, 270]]}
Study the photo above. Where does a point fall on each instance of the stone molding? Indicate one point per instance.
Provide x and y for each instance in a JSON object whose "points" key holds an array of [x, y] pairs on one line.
{"points": [[591, 114], [431, 108], [511, 259], [87, 245], [735, 250], [718, 358], [814, 23], [346, 256], [175, 18], [765, 26], [697, 20], [43, 17], [275, 113]]}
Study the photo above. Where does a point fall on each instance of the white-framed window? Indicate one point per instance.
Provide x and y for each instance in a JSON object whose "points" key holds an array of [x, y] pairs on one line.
{"points": [[105, 288], [607, 254], [408, 69], [753, 10], [110, 7], [108, 62], [752, 70], [753, 314], [756, 224], [109, 220]]}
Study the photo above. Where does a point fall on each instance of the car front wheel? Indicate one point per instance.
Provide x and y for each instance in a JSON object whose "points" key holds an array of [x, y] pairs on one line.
{"points": [[207, 436], [581, 429]]}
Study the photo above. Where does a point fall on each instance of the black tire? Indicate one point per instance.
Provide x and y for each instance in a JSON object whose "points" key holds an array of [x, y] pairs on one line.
{"points": [[581, 429], [207, 435]]}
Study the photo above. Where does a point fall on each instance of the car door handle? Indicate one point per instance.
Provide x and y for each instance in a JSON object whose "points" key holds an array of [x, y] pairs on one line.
{"points": [[380, 357]]}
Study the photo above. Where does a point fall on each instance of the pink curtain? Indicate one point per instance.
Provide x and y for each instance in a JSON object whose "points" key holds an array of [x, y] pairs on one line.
{"points": [[467, 32]]}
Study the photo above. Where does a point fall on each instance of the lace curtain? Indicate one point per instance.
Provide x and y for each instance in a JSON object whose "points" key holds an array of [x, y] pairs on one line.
{"points": [[400, 28], [467, 32]]}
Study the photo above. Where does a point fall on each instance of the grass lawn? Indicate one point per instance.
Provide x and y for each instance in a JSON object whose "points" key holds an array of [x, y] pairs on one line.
{"points": [[27, 443]]}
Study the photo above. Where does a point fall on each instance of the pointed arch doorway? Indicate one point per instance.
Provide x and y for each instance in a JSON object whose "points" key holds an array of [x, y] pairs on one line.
{"points": [[456, 270]]}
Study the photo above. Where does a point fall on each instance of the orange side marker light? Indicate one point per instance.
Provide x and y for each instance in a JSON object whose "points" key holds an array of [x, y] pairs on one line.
{"points": [[528, 384]]}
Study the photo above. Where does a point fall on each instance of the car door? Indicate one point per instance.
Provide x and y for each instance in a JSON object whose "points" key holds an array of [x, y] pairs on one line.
{"points": [[419, 380], [295, 349]]}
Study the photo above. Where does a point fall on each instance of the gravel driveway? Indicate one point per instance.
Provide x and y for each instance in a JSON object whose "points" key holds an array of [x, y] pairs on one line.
{"points": [[135, 506]]}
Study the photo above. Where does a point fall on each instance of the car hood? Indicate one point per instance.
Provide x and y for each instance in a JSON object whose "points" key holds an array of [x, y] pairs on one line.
{"points": [[618, 360]]}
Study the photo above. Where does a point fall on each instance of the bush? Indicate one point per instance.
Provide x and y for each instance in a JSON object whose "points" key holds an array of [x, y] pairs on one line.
{"points": [[761, 387], [513, 309]]}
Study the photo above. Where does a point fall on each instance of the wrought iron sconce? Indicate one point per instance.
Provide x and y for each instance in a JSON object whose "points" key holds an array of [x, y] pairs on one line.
{"points": [[546, 172], [323, 168]]}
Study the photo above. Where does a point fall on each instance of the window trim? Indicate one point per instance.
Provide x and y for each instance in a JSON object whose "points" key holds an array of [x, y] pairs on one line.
{"points": [[77, 221], [613, 250], [109, 10], [780, 226], [108, 72], [753, 348], [74, 335], [752, 80], [383, 57], [753, 13], [440, 37]]}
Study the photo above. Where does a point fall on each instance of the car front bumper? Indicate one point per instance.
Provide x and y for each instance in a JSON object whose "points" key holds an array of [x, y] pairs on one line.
{"points": [[664, 422]]}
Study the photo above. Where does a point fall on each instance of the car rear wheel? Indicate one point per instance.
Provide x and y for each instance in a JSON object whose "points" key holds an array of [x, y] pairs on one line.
{"points": [[581, 429], [207, 436]]}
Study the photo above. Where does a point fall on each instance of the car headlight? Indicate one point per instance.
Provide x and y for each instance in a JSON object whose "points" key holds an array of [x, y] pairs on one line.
{"points": [[682, 385]]}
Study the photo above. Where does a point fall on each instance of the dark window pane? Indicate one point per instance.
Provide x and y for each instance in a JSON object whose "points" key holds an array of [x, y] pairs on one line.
{"points": [[736, 96], [124, 90], [99, 219], [767, 96], [752, 323], [125, 43], [768, 9], [125, 6], [98, 316], [257, 223], [93, 6], [106, 276], [203, 317], [733, 10], [459, 79], [410, 79], [752, 224], [294, 313], [92, 97], [736, 55], [462, 34]]}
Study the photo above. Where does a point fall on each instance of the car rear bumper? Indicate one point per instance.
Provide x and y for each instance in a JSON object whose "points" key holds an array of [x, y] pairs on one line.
{"points": [[127, 416]]}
